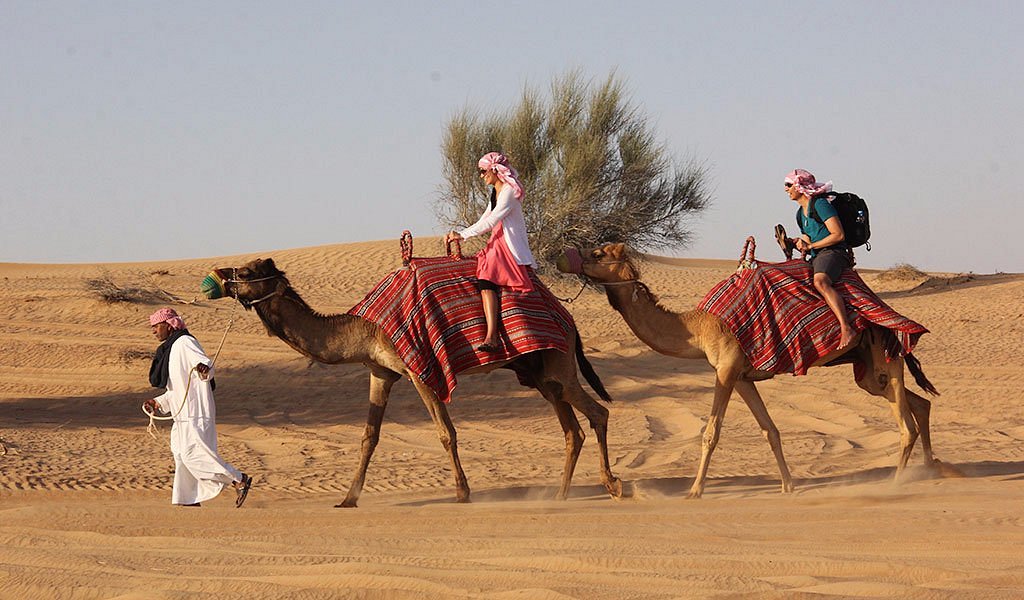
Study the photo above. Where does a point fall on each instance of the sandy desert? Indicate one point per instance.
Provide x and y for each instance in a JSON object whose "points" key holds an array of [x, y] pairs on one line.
{"points": [[85, 492]]}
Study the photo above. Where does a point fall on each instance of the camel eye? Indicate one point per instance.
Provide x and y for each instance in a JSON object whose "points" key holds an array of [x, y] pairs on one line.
{"points": [[244, 272], [596, 254]]}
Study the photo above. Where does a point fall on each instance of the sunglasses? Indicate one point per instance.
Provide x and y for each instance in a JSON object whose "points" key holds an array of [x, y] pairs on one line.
{"points": [[482, 171], [788, 185]]}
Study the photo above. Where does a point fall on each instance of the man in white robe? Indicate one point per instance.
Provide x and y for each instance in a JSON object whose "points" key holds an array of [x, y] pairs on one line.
{"points": [[181, 366]]}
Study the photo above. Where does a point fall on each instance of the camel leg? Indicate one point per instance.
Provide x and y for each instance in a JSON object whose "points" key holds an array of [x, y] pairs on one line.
{"points": [[724, 382], [921, 409], [559, 382], [597, 415], [748, 391], [380, 389], [885, 378], [447, 435], [574, 437], [895, 392], [897, 395]]}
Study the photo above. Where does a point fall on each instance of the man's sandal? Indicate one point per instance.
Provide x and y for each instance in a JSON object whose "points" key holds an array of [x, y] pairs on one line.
{"points": [[242, 490]]}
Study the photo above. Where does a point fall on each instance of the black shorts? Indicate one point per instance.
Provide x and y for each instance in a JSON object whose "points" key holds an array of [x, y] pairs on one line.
{"points": [[831, 261], [483, 284]]}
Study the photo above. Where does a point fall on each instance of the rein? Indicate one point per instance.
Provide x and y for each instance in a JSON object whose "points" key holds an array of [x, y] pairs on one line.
{"points": [[584, 286], [573, 299], [608, 284], [153, 417]]}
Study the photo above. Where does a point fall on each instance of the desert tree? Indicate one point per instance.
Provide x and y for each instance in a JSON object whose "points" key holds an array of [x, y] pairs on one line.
{"points": [[591, 167]]}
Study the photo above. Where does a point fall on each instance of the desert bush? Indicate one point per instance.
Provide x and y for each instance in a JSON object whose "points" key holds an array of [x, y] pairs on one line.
{"points": [[108, 291], [590, 165], [902, 272], [127, 356]]}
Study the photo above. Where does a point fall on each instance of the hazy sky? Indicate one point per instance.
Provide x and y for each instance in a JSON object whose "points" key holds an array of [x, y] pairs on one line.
{"points": [[136, 131]]}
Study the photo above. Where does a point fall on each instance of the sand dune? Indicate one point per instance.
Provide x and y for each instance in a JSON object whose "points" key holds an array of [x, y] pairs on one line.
{"points": [[84, 491]]}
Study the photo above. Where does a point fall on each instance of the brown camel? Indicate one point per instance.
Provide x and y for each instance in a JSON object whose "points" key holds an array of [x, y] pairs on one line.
{"points": [[698, 334], [336, 339]]}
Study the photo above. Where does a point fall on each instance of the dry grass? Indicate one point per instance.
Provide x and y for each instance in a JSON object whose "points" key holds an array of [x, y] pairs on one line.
{"points": [[127, 356], [902, 272], [110, 292]]}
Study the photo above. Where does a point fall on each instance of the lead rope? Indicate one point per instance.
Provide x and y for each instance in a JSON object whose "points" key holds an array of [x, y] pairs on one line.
{"points": [[153, 417], [573, 299]]}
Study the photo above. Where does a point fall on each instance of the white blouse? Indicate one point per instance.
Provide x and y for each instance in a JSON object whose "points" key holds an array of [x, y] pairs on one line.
{"points": [[509, 211]]}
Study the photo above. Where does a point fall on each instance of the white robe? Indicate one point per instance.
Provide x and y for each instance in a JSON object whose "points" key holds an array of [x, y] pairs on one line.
{"points": [[199, 472]]}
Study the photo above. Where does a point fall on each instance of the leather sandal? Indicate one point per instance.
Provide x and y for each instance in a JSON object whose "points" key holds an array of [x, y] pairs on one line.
{"points": [[242, 490], [785, 242]]}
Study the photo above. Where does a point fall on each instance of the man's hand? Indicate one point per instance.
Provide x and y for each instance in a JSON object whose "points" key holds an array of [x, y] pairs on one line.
{"points": [[203, 369], [803, 244], [152, 405]]}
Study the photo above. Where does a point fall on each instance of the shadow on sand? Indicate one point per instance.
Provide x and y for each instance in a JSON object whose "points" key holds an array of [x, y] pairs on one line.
{"points": [[739, 486]]}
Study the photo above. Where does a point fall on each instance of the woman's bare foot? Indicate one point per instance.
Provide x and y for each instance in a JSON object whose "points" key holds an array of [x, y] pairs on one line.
{"points": [[488, 346], [846, 338]]}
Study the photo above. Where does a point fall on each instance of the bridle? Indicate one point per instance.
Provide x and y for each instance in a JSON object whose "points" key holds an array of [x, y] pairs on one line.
{"points": [[607, 284], [594, 261], [251, 303]]}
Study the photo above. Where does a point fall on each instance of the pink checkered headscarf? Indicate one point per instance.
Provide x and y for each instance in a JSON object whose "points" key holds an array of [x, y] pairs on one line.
{"points": [[168, 315], [804, 182], [498, 162]]}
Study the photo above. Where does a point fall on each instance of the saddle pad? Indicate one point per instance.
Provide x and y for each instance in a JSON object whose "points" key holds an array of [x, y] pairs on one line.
{"points": [[784, 325], [432, 313]]}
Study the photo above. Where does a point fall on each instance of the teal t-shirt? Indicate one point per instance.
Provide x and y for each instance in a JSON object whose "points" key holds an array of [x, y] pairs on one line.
{"points": [[812, 228]]}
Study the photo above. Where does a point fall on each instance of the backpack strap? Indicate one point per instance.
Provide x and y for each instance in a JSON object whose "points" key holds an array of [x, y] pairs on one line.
{"points": [[812, 212]]}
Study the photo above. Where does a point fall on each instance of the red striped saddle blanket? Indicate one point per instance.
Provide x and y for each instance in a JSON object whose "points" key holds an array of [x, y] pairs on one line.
{"points": [[432, 312], [784, 325]]}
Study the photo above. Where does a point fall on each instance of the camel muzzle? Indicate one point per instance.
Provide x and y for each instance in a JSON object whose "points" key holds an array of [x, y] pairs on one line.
{"points": [[213, 285], [571, 261]]}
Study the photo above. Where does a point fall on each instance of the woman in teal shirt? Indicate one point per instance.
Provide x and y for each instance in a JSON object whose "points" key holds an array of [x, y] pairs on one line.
{"points": [[823, 241]]}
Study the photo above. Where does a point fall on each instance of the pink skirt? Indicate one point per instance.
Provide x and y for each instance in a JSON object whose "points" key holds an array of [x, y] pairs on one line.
{"points": [[496, 264]]}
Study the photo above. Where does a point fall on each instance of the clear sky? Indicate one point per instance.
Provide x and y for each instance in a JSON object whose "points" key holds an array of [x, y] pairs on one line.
{"points": [[137, 131]]}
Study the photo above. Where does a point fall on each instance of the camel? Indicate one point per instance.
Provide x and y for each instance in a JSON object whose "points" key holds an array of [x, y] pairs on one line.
{"points": [[701, 335], [338, 339]]}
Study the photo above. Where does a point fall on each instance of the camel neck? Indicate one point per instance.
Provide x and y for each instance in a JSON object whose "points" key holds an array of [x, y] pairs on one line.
{"points": [[330, 339], [666, 332]]}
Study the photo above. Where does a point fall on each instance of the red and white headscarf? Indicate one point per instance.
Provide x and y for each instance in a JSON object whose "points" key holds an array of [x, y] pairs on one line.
{"points": [[804, 182], [498, 162], [167, 315]]}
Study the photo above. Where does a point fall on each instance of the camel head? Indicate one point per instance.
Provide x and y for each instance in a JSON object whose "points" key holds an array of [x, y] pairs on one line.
{"points": [[250, 283], [609, 263]]}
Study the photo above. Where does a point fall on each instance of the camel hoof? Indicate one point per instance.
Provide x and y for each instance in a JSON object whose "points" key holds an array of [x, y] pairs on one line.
{"points": [[462, 498], [787, 488], [346, 504], [694, 495], [945, 469], [614, 487], [561, 496]]}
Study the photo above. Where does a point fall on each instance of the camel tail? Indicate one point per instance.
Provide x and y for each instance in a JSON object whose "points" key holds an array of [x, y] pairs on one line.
{"points": [[915, 369], [588, 371]]}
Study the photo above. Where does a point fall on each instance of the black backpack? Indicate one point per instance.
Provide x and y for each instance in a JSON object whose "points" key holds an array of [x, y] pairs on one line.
{"points": [[853, 215]]}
